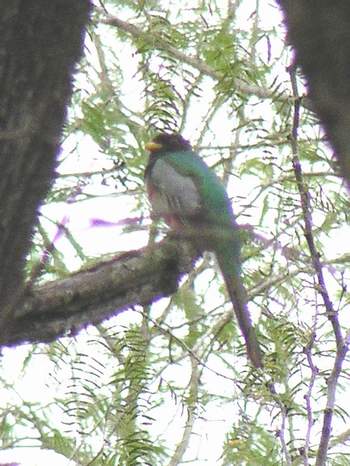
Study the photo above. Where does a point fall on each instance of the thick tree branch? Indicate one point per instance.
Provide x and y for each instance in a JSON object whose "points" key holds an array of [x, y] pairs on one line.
{"points": [[319, 31], [40, 43], [90, 296]]}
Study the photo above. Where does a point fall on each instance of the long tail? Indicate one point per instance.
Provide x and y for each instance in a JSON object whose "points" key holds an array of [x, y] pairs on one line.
{"points": [[230, 269]]}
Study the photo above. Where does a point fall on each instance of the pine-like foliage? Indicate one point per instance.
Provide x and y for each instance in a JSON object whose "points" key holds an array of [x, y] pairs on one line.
{"points": [[169, 383]]}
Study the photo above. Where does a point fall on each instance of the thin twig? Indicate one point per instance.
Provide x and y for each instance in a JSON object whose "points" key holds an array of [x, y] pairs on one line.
{"points": [[158, 43], [192, 406], [307, 216], [281, 432], [307, 397], [322, 289]]}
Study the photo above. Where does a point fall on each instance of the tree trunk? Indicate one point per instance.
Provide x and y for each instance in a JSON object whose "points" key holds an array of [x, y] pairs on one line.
{"points": [[40, 43], [320, 33]]}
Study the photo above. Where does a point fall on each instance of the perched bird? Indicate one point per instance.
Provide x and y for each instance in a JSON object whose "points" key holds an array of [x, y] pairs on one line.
{"points": [[192, 200]]}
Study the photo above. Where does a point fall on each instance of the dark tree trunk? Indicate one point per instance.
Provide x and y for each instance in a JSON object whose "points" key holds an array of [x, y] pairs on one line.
{"points": [[40, 43], [319, 30]]}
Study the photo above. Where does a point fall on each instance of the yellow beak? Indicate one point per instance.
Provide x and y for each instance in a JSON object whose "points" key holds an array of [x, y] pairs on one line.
{"points": [[153, 146]]}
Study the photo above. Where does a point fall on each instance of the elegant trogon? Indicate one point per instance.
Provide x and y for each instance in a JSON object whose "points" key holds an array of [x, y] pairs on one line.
{"points": [[191, 199]]}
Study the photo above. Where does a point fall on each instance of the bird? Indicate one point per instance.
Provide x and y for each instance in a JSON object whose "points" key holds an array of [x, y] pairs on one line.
{"points": [[193, 202]]}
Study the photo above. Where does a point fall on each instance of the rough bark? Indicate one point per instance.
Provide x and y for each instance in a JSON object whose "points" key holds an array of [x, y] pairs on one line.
{"points": [[66, 306], [40, 43], [320, 33]]}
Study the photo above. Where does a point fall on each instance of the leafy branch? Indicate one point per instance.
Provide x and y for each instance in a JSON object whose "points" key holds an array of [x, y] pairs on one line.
{"points": [[159, 43], [332, 315]]}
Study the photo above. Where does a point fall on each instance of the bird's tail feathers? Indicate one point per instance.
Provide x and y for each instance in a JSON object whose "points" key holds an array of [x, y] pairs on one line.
{"points": [[231, 273]]}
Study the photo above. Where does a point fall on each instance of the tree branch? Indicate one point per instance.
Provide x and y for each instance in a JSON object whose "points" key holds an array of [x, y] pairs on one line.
{"points": [[342, 347], [158, 43], [192, 406], [66, 306], [332, 383], [93, 295]]}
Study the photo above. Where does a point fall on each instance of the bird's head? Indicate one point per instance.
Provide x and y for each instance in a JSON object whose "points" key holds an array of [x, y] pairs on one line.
{"points": [[168, 142]]}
